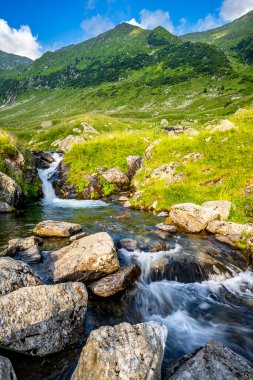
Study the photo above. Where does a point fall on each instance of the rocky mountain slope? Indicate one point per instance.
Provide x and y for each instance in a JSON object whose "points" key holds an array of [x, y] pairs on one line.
{"points": [[10, 61]]}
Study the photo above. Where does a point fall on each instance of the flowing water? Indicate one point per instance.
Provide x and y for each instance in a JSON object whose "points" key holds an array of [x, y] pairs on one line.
{"points": [[198, 288]]}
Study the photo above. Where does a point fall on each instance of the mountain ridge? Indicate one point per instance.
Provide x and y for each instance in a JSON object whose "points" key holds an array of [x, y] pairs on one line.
{"points": [[10, 61]]}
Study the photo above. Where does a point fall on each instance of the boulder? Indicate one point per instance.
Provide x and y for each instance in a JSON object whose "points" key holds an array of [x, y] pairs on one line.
{"points": [[29, 248], [116, 282], [229, 228], [46, 124], [148, 151], [5, 208], [10, 191], [194, 157], [86, 259], [54, 228], [134, 162], [168, 172], [15, 274], [212, 362], [6, 369], [164, 123], [87, 128], [116, 176], [68, 142], [128, 244], [123, 352], [223, 208], [41, 320], [225, 125], [191, 217]]}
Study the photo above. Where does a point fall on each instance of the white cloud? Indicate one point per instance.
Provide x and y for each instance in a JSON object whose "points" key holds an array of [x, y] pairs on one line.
{"points": [[150, 20], [207, 23], [96, 25], [232, 9], [19, 41]]}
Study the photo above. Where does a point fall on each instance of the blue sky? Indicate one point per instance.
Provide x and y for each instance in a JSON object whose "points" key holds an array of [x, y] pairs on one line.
{"points": [[29, 27]]}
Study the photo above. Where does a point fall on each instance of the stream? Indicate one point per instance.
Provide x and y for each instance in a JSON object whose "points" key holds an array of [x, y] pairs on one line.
{"points": [[200, 289]]}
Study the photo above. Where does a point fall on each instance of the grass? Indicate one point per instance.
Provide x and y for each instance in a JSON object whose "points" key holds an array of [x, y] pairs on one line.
{"points": [[227, 157]]}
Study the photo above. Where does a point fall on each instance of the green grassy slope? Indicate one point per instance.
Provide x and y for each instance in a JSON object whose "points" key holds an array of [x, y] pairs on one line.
{"points": [[226, 36]]}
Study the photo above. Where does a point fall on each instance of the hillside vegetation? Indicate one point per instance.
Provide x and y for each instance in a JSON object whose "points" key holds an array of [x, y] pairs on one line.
{"points": [[10, 61]]}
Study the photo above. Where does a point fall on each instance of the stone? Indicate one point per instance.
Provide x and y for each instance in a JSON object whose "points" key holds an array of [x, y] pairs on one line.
{"points": [[6, 369], [41, 320], [168, 172], [164, 123], [134, 162], [46, 124], [15, 274], [163, 214], [5, 208], [77, 130], [212, 362], [223, 208], [68, 142], [78, 236], [123, 352], [116, 282], [248, 190], [115, 176], [10, 191], [225, 125], [128, 244], [191, 217], [29, 247], [88, 128], [167, 228], [229, 228], [54, 228], [148, 151], [89, 258], [192, 132], [192, 157]]}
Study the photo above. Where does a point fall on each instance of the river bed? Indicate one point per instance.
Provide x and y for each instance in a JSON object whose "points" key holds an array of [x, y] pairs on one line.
{"points": [[195, 309]]}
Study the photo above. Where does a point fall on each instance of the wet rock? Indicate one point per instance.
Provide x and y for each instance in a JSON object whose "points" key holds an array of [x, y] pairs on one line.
{"points": [[6, 369], [10, 191], [167, 228], [223, 208], [78, 236], [123, 352], [29, 249], [115, 176], [53, 228], [15, 274], [5, 208], [128, 244], [41, 320], [116, 282], [229, 228], [191, 217], [212, 362], [168, 172], [87, 259]]}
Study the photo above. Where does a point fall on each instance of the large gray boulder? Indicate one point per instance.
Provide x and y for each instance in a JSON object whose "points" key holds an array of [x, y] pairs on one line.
{"points": [[230, 228], [29, 248], [89, 258], [10, 191], [116, 282], [191, 217], [168, 172], [6, 369], [41, 320], [115, 176], [15, 274], [123, 352], [54, 228], [223, 208], [212, 362]]}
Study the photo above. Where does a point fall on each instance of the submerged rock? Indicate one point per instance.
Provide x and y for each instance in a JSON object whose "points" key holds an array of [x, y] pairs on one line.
{"points": [[6, 369], [191, 217], [167, 228], [53, 228], [41, 320], [86, 259], [123, 352], [223, 208], [212, 362], [15, 274], [5, 208], [116, 282], [129, 244]]}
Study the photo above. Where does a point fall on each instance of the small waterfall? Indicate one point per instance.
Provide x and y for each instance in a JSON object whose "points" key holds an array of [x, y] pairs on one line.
{"points": [[49, 196]]}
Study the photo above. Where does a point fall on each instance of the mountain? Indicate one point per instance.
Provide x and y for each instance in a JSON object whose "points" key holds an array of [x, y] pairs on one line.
{"points": [[156, 57], [227, 36], [10, 61]]}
